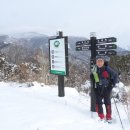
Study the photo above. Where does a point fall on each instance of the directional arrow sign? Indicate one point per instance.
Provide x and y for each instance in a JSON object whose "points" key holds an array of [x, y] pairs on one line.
{"points": [[106, 46], [101, 53], [111, 46], [111, 52], [106, 40], [82, 43], [83, 48], [105, 52]]}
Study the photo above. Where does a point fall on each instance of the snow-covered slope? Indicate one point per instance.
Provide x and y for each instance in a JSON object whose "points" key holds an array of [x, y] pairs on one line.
{"points": [[39, 108]]}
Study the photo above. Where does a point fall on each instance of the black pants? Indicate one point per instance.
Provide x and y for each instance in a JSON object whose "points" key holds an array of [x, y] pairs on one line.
{"points": [[103, 93]]}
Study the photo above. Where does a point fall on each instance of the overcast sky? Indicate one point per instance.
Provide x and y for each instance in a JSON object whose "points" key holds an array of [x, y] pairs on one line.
{"points": [[75, 17]]}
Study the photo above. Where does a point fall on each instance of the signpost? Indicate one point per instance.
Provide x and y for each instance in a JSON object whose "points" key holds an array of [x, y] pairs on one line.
{"points": [[98, 47], [58, 53]]}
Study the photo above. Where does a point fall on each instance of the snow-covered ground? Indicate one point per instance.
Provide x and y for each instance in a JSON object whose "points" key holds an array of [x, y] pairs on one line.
{"points": [[39, 108]]}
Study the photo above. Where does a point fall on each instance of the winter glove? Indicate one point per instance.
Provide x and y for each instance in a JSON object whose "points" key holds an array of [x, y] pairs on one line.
{"points": [[116, 85], [112, 85]]}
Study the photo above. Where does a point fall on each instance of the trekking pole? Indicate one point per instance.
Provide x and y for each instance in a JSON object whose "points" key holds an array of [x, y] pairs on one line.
{"points": [[118, 114]]}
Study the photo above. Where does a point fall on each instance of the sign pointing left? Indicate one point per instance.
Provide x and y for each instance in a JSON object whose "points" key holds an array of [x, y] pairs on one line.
{"points": [[83, 48], [82, 43]]}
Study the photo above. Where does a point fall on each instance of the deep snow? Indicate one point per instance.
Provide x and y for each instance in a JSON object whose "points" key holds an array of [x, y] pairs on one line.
{"points": [[39, 108]]}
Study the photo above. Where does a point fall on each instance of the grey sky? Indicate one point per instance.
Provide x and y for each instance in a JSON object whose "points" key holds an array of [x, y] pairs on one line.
{"points": [[75, 17]]}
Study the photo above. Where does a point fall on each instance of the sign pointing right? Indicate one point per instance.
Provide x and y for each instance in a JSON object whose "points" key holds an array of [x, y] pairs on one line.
{"points": [[106, 46], [105, 52], [111, 52], [106, 40]]}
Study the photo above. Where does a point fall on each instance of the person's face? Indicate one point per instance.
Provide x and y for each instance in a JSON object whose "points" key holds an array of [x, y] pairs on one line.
{"points": [[100, 63]]}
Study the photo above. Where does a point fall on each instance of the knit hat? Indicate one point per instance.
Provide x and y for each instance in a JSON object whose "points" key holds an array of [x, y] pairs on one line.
{"points": [[100, 57], [105, 58]]}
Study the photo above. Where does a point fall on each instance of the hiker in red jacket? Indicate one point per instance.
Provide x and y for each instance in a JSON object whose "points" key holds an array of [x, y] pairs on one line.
{"points": [[105, 79]]}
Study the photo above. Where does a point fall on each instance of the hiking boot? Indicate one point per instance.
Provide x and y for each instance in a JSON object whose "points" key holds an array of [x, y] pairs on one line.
{"points": [[109, 120], [101, 116]]}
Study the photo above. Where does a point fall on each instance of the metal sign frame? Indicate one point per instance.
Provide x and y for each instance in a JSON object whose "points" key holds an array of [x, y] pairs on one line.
{"points": [[58, 56]]}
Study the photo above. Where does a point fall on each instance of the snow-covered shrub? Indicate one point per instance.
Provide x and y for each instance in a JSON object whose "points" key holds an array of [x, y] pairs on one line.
{"points": [[120, 92], [129, 104], [85, 87]]}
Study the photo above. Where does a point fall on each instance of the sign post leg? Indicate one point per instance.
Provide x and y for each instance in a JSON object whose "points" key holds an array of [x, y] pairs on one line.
{"points": [[93, 57], [61, 92], [93, 102]]}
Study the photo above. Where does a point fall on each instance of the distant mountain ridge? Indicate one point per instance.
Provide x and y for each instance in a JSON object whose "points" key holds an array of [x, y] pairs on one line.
{"points": [[27, 35], [35, 40]]}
